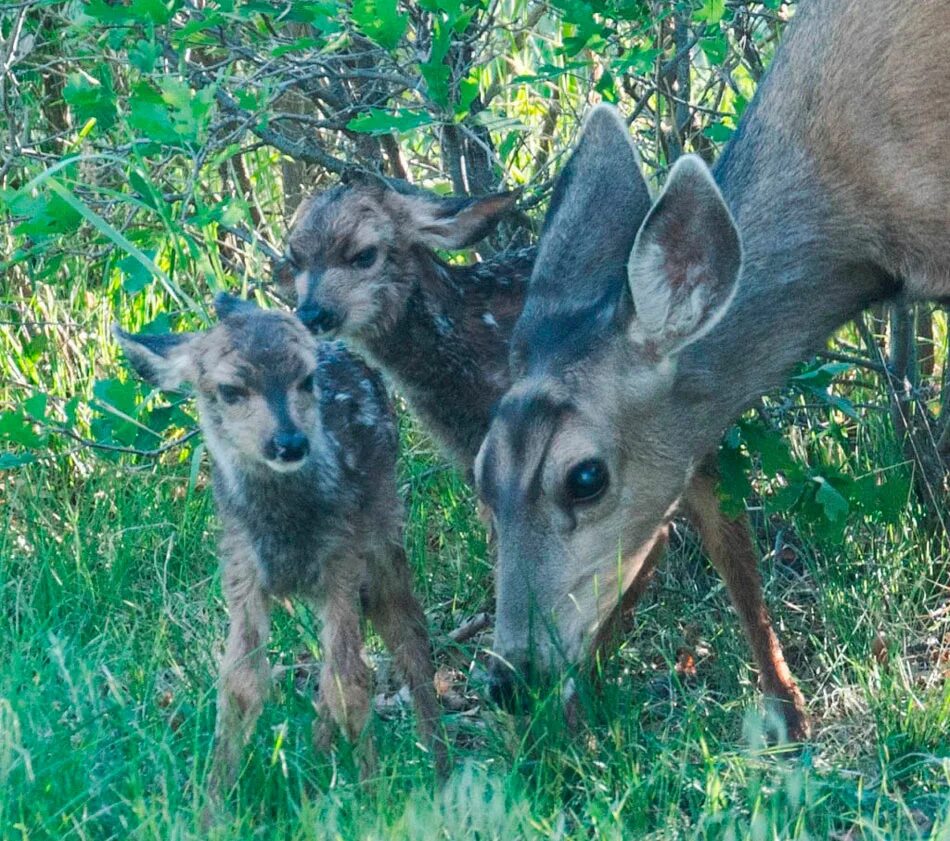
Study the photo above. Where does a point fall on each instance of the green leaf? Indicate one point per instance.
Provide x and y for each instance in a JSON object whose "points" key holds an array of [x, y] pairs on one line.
{"points": [[174, 114], [771, 448], [381, 21], [711, 11], [118, 238], [605, 87], [639, 60], [719, 132], [144, 55], [821, 376], [11, 461], [18, 429], [51, 216], [92, 97], [143, 189], [135, 277], [734, 485], [35, 406], [834, 504], [378, 121], [716, 48], [139, 11], [468, 90]]}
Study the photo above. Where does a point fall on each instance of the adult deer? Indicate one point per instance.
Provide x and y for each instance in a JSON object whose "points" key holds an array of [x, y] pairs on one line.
{"points": [[644, 335], [364, 268]]}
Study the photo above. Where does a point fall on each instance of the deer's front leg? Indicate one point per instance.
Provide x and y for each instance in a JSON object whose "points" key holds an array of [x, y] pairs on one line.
{"points": [[345, 679], [245, 673], [398, 618], [728, 542]]}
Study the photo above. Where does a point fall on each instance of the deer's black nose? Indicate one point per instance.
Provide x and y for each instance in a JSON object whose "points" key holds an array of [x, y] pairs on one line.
{"points": [[318, 319], [290, 446]]}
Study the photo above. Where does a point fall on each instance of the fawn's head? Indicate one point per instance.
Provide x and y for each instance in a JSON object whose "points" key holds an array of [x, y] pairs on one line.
{"points": [[253, 376], [353, 251], [590, 450]]}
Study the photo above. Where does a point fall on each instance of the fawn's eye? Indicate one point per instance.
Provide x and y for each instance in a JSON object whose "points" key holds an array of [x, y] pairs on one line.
{"points": [[231, 394], [306, 384], [365, 258], [587, 480]]}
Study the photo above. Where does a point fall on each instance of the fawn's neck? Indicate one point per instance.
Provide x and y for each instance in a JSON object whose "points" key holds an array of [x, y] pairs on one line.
{"points": [[448, 352]]}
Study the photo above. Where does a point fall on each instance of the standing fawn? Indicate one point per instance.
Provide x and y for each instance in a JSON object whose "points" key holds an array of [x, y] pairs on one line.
{"points": [[364, 268], [646, 333], [303, 444]]}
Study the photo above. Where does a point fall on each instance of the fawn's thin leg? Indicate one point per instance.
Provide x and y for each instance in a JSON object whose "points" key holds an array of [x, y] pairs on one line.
{"points": [[345, 679], [729, 545], [245, 673], [398, 618]]}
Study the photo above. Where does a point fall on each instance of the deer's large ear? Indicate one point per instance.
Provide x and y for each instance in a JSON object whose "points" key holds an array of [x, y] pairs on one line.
{"points": [[453, 222], [684, 266], [599, 201], [162, 359]]}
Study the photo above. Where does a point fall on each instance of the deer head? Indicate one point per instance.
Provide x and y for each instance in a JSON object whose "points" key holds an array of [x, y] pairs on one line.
{"points": [[253, 376], [354, 252], [590, 450]]}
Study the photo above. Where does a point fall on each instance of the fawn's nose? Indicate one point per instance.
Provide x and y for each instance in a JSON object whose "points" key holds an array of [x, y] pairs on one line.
{"points": [[317, 319], [290, 446]]}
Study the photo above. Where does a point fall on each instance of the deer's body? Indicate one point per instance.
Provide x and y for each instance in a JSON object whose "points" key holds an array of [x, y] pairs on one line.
{"points": [[304, 445], [448, 350], [839, 184], [644, 336]]}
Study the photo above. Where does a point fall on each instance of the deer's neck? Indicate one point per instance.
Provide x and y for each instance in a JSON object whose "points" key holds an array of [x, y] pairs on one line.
{"points": [[448, 352], [807, 268]]}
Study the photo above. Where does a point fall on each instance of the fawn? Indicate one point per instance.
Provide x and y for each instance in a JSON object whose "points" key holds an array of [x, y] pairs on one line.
{"points": [[647, 332], [303, 444], [362, 263]]}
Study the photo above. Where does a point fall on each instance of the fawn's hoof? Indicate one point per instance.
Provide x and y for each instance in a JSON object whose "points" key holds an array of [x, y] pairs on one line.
{"points": [[787, 721]]}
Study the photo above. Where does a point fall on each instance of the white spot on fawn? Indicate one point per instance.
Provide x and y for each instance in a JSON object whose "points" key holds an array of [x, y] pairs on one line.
{"points": [[443, 324]]}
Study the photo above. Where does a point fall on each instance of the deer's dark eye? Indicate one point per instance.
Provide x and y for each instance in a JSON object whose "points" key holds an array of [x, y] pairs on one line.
{"points": [[306, 384], [232, 394], [365, 258], [587, 480]]}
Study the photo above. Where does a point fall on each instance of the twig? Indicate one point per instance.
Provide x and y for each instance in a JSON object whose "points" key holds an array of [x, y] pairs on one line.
{"points": [[116, 448], [468, 629]]}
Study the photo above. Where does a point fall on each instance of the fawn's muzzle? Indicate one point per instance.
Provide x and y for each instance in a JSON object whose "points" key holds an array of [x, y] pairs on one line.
{"points": [[288, 447], [319, 320]]}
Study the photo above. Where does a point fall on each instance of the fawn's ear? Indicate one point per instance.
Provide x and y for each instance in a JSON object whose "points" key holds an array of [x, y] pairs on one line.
{"points": [[162, 359], [452, 222], [226, 304], [684, 266]]}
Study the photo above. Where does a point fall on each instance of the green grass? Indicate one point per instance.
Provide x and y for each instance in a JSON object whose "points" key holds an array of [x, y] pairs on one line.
{"points": [[111, 624], [113, 620]]}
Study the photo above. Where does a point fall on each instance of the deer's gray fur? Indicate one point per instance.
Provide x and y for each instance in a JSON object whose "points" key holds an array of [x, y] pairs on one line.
{"points": [[837, 183], [303, 444]]}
